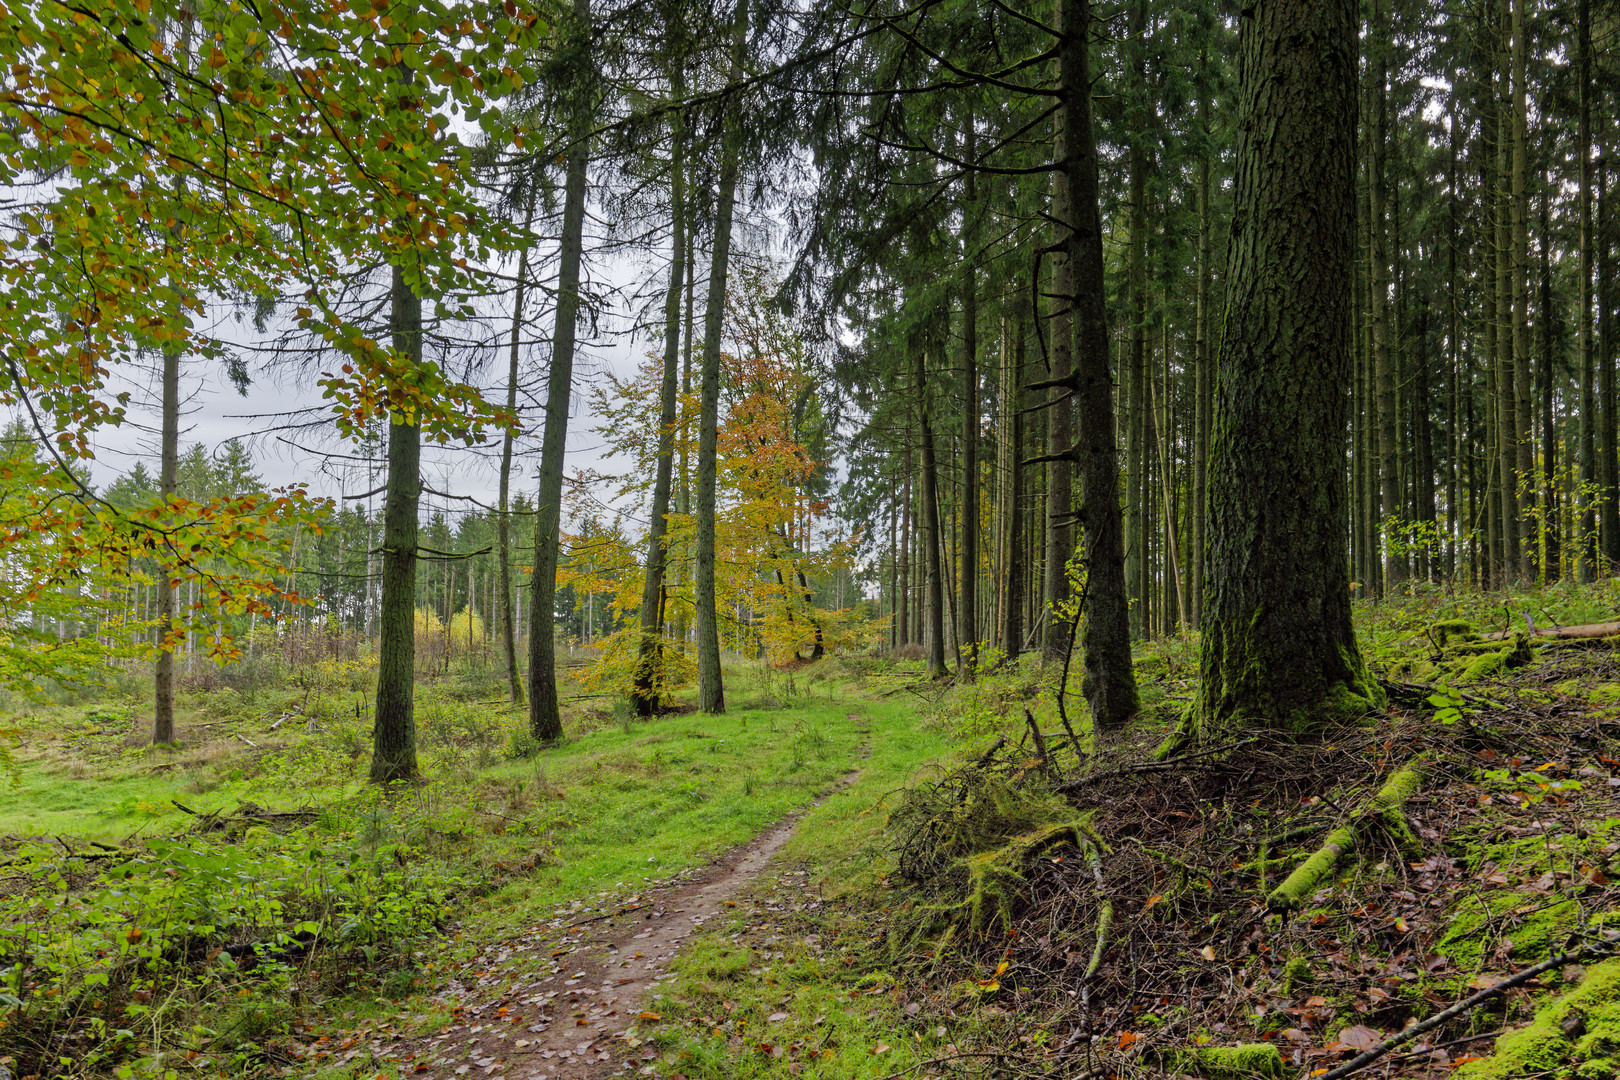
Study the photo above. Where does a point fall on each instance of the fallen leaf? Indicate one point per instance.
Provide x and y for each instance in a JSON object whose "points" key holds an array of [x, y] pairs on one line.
{"points": [[1207, 952], [881, 1048], [1360, 1037], [650, 1016], [1126, 1038], [777, 1017]]}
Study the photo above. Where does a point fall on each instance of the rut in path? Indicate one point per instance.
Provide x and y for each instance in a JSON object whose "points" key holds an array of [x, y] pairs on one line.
{"points": [[574, 1023]]}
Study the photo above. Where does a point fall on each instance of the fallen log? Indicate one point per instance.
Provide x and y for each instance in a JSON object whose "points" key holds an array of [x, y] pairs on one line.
{"points": [[1585, 630]]}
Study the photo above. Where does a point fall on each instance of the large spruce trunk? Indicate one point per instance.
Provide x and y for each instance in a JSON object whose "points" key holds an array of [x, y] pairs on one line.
{"points": [[1278, 647]]}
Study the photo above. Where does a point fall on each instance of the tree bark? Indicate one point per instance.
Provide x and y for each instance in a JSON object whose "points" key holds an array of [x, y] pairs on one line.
{"points": [[1278, 646], [503, 522], [393, 756], [645, 691], [169, 489], [545, 714], [1109, 682], [1059, 437], [1012, 419], [1519, 263], [1395, 566], [933, 635], [967, 578], [1586, 544], [711, 687]]}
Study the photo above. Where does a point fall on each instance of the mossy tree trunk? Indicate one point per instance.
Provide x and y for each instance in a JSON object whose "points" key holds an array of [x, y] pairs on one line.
{"points": [[1278, 647]]}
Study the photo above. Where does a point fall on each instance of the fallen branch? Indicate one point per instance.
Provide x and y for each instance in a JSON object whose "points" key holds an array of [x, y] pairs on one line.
{"points": [[1385, 806], [1362, 1060], [1564, 633], [1152, 766]]}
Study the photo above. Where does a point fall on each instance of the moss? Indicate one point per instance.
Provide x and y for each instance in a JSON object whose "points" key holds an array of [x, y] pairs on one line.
{"points": [[1543, 1046], [1538, 924], [1482, 666], [1297, 972], [1235, 1062], [1447, 631], [1598, 1069]]}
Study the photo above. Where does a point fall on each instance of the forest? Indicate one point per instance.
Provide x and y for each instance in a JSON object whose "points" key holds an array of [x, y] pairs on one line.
{"points": [[961, 538]]}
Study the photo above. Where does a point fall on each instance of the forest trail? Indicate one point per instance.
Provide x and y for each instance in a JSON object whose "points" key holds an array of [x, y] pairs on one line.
{"points": [[576, 1016]]}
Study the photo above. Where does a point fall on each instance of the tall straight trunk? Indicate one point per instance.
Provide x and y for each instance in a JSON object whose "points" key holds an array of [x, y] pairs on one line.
{"points": [[1550, 509], [1378, 288], [393, 756], [545, 715], [169, 489], [503, 523], [1136, 458], [1202, 383], [967, 578], [1587, 541], [933, 634], [711, 688], [645, 692], [1109, 682], [1453, 351], [904, 617], [1507, 409], [1609, 462], [1518, 266], [1059, 441], [1011, 524], [683, 498], [1278, 647], [1422, 441]]}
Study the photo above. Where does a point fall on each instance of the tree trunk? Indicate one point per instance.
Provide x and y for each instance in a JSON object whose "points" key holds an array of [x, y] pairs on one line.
{"points": [[711, 688], [1278, 646], [1586, 542], [934, 594], [1519, 262], [1395, 568], [168, 488], [1202, 383], [1059, 441], [1012, 419], [1109, 683], [647, 682], [503, 517], [545, 714], [393, 756], [967, 578]]}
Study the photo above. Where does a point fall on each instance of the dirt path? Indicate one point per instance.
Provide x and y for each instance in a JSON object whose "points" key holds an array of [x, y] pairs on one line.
{"points": [[574, 1018]]}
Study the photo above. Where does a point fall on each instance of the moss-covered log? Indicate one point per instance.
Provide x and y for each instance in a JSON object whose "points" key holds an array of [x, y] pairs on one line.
{"points": [[1385, 807]]}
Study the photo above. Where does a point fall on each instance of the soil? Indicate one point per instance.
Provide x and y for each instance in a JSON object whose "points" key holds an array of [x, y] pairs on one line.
{"points": [[576, 1018]]}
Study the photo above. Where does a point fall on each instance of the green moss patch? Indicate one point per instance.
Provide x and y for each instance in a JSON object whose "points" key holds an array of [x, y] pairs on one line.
{"points": [[1577, 1035]]}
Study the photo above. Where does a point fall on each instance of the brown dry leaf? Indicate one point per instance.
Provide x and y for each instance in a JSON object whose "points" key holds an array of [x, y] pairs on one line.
{"points": [[1207, 952], [1361, 1037]]}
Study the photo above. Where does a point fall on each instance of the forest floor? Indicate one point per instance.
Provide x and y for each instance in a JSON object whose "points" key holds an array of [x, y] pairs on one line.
{"points": [[853, 874]]}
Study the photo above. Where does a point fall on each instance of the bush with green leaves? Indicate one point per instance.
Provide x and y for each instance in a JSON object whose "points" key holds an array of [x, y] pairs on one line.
{"points": [[104, 955]]}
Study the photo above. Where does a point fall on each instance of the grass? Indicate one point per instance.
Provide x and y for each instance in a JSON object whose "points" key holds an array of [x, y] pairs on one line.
{"points": [[502, 840]]}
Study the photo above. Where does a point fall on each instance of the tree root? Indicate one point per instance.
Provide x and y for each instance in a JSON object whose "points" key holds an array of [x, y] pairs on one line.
{"points": [[1385, 807]]}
